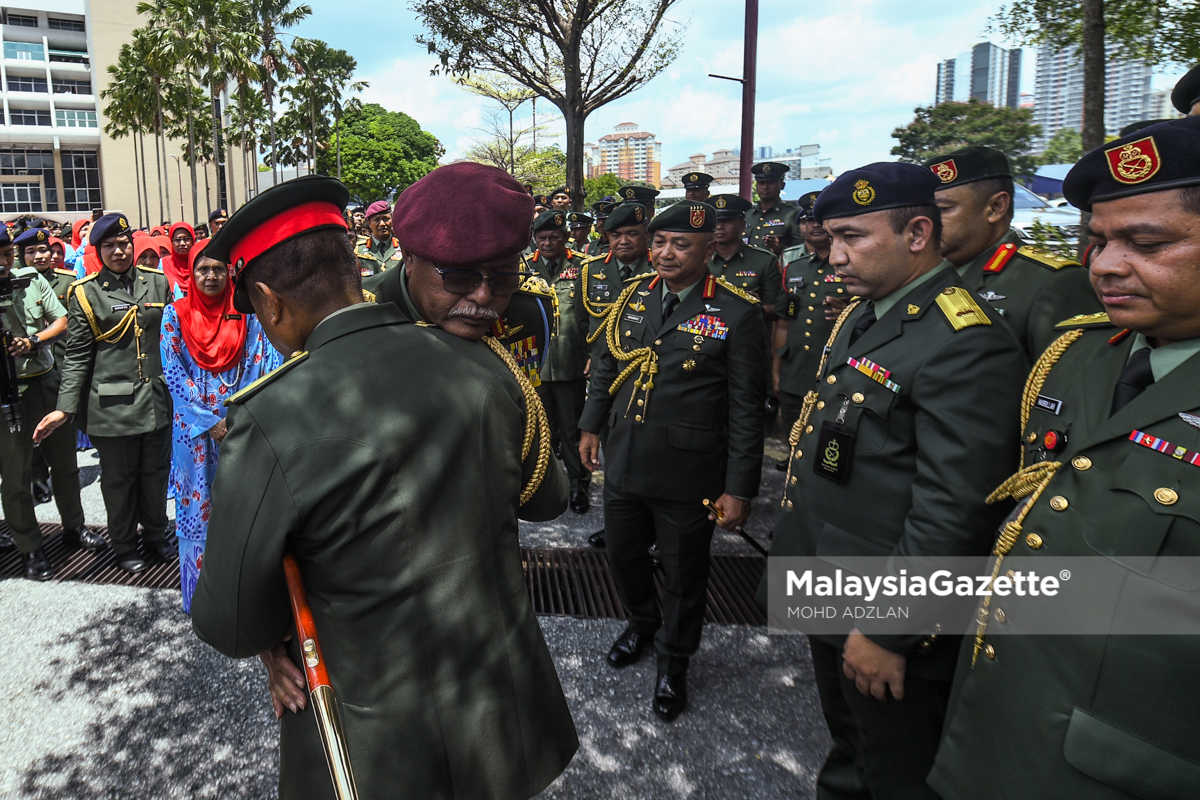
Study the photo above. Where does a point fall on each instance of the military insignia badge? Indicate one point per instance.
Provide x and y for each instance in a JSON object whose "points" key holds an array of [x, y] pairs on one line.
{"points": [[1190, 419], [689, 365], [1135, 162], [558, 220], [629, 194], [638, 214], [864, 195], [693, 178], [720, 202], [697, 216], [41, 236], [121, 223], [913, 309], [946, 170]]}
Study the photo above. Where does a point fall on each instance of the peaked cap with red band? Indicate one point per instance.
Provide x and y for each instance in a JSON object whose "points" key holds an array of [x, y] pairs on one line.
{"points": [[464, 213], [280, 213]]}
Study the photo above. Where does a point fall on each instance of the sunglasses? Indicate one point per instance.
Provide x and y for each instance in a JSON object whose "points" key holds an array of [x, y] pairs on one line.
{"points": [[465, 281]]}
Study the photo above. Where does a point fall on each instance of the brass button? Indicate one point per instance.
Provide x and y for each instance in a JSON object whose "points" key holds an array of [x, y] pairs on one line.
{"points": [[799, 455], [841, 290], [1168, 497], [1081, 463], [658, 341], [1032, 437], [858, 397], [820, 404], [832, 379], [808, 333], [810, 294], [629, 333], [809, 321], [1010, 574], [789, 503], [806, 347], [641, 402], [812, 308], [948, 290], [809, 429], [1001, 617], [1034, 541], [795, 480], [696, 347], [989, 651], [638, 418], [1058, 502]]}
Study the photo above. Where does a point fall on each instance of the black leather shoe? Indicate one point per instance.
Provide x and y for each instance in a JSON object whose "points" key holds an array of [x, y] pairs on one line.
{"points": [[597, 540], [670, 695], [163, 550], [655, 559], [132, 562], [579, 502], [628, 647], [83, 538], [37, 566], [42, 492], [781, 465]]}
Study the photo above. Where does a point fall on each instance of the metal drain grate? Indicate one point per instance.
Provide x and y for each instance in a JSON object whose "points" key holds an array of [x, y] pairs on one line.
{"points": [[562, 582]]}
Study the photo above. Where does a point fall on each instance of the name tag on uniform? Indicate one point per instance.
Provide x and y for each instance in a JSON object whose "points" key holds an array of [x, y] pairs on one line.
{"points": [[599, 286], [835, 449], [773, 222], [632, 318], [1049, 404], [231, 316], [122, 307]]}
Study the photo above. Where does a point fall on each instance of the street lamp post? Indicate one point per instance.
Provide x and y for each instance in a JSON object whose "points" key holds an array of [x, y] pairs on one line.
{"points": [[179, 171], [749, 81]]}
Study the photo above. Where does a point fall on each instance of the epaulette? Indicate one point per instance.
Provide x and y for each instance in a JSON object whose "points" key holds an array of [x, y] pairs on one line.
{"points": [[590, 259], [536, 285], [749, 298], [368, 297], [1047, 258], [761, 250], [959, 306], [367, 254], [1085, 320], [70, 272], [254, 388], [146, 269], [85, 279]]}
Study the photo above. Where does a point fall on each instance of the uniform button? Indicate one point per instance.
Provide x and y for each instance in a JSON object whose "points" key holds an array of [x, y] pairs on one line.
{"points": [[812, 308], [629, 333], [820, 404], [812, 294], [1001, 617], [990, 652], [832, 379], [806, 347], [1081, 463], [638, 418], [794, 480], [789, 503], [858, 397], [1010, 574], [809, 429], [696, 347], [1034, 541], [641, 402], [1168, 497], [1031, 438], [809, 321], [1058, 502], [799, 455], [948, 290], [808, 333]]}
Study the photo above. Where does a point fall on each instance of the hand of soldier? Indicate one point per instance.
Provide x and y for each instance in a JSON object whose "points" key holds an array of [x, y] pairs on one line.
{"points": [[587, 369], [773, 244], [285, 680], [48, 425], [589, 450], [19, 347], [218, 431], [873, 669], [735, 512], [834, 306]]}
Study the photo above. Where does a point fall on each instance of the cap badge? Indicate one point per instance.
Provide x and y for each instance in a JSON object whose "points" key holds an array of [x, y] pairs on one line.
{"points": [[639, 214], [41, 236], [121, 223], [1135, 162], [558, 220], [946, 171], [720, 202], [629, 193], [693, 177], [864, 195], [697, 218]]}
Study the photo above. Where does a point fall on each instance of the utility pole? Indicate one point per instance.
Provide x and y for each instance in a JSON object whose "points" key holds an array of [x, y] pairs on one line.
{"points": [[749, 82]]}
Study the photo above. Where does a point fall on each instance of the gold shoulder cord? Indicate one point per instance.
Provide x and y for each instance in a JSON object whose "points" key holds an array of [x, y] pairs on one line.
{"points": [[118, 331], [593, 309], [1028, 481], [643, 359], [535, 421], [810, 399]]}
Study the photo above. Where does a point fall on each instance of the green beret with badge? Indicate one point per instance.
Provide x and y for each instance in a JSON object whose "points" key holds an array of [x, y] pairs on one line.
{"points": [[624, 215], [550, 221], [690, 216]]}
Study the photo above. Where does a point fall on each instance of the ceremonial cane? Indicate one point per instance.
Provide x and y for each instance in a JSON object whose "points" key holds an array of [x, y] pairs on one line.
{"points": [[714, 508], [329, 723]]}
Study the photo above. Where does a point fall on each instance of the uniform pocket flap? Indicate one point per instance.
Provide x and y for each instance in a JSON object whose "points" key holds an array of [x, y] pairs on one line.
{"points": [[699, 439], [1159, 480], [1126, 762], [122, 389]]}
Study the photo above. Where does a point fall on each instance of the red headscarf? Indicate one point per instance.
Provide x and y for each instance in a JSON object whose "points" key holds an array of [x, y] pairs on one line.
{"points": [[143, 243], [77, 233], [213, 339], [91, 260], [178, 268]]}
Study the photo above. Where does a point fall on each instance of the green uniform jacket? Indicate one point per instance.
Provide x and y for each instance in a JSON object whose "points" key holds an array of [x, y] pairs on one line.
{"points": [[602, 284], [779, 220], [927, 451], [807, 281], [111, 377], [404, 523], [31, 311], [60, 281], [372, 259], [568, 350], [1097, 717], [699, 433], [752, 270], [1034, 289]]}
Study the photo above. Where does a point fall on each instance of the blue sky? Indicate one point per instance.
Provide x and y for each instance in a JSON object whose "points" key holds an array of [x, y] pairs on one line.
{"points": [[841, 73]]}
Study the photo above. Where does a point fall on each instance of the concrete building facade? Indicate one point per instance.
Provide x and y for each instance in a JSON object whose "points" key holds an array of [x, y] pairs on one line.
{"points": [[986, 72], [628, 153], [1058, 93]]}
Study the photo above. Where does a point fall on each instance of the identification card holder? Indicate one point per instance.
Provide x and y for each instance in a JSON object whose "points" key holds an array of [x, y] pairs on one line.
{"points": [[835, 449]]}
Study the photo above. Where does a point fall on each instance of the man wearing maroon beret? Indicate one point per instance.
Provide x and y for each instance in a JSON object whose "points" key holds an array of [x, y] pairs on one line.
{"points": [[378, 250], [402, 519]]}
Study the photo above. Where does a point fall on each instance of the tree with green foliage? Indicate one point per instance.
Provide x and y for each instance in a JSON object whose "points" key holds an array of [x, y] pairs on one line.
{"points": [[601, 186], [382, 151], [949, 126], [1064, 147]]}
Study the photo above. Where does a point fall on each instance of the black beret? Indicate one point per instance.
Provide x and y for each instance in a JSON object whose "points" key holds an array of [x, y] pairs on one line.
{"points": [[1134, 127], [31, 237], [5, 234], [769, 171], [541, 200], [690, 216], [624, 215], [1154, 159], [550, 221], [969, 164], [1186, 92], [875, 187], [561, 190], [696, 180], [729, 206], [220, 212], [107, 226], [642, 194], [577, 219], [806, 203]]}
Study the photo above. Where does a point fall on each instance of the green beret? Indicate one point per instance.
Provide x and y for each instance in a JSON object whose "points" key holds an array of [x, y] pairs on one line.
{"points": [[690, 216], [730, 206], [969, 164], [624, 215], [769, 171], [550, 221], [541, 200]]}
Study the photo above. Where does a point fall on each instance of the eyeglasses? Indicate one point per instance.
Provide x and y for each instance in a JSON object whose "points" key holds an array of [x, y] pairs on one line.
{"points": [[465, 281]]}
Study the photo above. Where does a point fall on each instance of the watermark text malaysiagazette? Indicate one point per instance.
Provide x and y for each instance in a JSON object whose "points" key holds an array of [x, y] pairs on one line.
{"points": [[940, 583]]}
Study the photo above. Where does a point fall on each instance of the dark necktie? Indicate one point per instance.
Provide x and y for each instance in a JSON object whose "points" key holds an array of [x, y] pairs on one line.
{"points": [[670, 302], [864, 322], [1134, 380], [626, 272], [126, 281]]}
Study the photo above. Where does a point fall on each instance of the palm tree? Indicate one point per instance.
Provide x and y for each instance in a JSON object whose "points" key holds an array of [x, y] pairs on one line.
{"points": [[274, 59], [339, 79]]}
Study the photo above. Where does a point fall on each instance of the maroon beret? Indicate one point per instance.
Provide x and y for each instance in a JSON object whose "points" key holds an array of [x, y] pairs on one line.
{"points": [[378, 207], [464, 213]]}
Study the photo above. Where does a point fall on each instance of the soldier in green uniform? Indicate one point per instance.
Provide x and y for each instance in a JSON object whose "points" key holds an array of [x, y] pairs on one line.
{"points": [[579, 226], [1110, 434], [770, 224], [403, 521], [378, 250], [910, 425], [112, 382], [358, 219], [605, 276], [560, 199], [639, 194], [600, 212], [804, 207], [695, 186], [541, 203], [749, 268], [1033, 288], [216, 219], [681, 384]]}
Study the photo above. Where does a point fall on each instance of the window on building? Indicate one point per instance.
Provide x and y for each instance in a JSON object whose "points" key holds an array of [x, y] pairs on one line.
{"points": [[64, 86], [17, 83], [69, 56], [21, 20], [26, 116], [75, 119], [81, 180], [24, 51], [57, 24], [18, 160], [17, 197]]}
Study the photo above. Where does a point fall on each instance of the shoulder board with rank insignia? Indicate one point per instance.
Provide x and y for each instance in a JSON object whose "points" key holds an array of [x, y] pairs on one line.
{"points": [[535, 285], [724, 284], [960, 308], [147, 269], [1001, 257], [254, 388], [368, 297], [1085, 320], [64, 272], [1047, 258], [85, 279]]}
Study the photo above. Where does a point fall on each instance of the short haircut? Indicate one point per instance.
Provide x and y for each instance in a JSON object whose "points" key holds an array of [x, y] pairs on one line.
{"points": [[990, 186], [308, 266], [900, 217]]}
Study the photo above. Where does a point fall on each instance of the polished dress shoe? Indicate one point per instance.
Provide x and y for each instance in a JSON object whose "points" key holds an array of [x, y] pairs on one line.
{"points": [[42, 493], [163, 549], [579, 502], [83, 538], [628, 647], [37, 566], [670, 695], [132, 562], [597, 540]]}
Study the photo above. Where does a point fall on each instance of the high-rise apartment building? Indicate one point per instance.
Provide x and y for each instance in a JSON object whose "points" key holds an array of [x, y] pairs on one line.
{"points": [[1058, 92], [1159, 106], [628, 153], [986, 72]]}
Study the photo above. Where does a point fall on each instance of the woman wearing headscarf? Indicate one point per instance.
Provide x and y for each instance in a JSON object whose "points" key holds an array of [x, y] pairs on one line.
{"points": [[177, 266], [209, 352], [79, 237]]}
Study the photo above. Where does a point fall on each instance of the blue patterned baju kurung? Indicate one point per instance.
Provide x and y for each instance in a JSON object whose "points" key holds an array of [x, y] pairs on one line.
{"points": [[199, 398]]}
